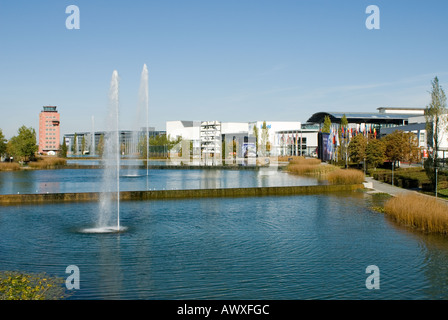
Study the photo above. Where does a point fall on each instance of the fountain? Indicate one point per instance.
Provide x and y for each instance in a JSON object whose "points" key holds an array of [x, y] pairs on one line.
{"points": [[137, 138], [109, 214]]}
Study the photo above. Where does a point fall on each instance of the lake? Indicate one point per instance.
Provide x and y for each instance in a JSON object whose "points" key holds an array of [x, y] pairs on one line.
{"points": [[276, 248]]}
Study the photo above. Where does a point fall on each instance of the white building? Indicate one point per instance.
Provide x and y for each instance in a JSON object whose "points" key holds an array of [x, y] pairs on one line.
{"points": [[417, 125], [213, 140]]}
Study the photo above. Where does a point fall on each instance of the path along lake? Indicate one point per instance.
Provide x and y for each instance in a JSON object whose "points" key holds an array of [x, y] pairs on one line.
{"points": [[287, 248]]}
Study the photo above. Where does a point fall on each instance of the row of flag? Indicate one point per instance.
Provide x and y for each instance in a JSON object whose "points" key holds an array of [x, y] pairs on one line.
{"points": [[365, 129], [347, 134]]}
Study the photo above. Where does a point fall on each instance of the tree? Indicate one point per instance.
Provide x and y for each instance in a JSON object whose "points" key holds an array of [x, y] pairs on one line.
{"points": [[142, 148], [265, 144], [436, 123], [63, 150], [357, 148], [375, 152], [401, 146], [100, 146], [75, 144], [83, 144], [2, 143], [327, 125], [256, 134], [436, 120], [343, 138], [164, 140], [23, 146]]}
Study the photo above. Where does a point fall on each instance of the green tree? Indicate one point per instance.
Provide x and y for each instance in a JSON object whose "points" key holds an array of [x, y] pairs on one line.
{"points": [[63, 150], [164, 140], [2, 143], [142, 148], [83, 144], [23, 146], [343, 138], [100, 146], [256, 134], [375, 152], [436, 123], [265, 144], [357, 148], [75, 144], [327, 125]]}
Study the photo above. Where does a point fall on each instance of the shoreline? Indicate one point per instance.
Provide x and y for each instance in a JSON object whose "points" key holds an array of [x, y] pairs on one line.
{"points": [[42, 198]]}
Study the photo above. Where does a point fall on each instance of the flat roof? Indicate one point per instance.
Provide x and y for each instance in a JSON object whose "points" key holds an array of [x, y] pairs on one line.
{"points": [[361, 117]]}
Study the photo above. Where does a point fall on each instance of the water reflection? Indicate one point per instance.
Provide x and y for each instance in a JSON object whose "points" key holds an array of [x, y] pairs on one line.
{"points": [[297, 247], [89, 180], [434, 249]]}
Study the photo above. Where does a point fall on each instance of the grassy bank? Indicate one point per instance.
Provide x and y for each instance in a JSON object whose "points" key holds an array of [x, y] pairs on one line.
{"points": [[422, 212]]}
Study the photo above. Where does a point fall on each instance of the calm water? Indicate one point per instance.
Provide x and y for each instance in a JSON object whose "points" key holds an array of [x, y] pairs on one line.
{"points": [[88, 180], [298, 247]]}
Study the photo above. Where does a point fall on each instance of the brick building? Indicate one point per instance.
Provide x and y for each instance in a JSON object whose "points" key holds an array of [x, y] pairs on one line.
{"points": [[49, 131]]}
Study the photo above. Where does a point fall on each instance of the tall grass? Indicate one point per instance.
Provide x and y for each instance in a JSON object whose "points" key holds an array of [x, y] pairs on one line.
{"points": [[418, 211], [311, 169], [298, 160], [9, 166], [334, 175], [48, 163], [345, 176]]}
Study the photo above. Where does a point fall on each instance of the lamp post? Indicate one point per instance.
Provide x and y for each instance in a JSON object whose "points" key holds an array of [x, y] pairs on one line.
{"points": [[436, 181], [393, 165]]}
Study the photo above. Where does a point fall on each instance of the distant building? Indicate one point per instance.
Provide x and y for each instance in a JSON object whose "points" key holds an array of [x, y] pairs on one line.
{"points": [[49, 130], [91, 141], [377, 125], [417, 125], [214, 141]]}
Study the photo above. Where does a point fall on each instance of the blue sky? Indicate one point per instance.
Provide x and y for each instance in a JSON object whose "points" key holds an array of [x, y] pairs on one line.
{"points": [[226, 60]]}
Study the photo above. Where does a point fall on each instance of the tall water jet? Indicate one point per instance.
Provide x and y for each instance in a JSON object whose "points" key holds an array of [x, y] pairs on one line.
{"points": [[143, 95], [109, 213], [140, 142]]}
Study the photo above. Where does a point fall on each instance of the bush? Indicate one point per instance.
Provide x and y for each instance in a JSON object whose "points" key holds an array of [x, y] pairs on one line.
{"points": [[21, 286]]}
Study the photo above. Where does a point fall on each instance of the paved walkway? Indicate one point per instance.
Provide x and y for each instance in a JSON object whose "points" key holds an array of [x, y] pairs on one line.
{"points": [[378, 186], [382, 187]]}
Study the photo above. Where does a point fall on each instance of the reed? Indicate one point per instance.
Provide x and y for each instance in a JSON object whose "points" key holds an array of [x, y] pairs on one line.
{"points": [[290, 158], [309, 166], [48, 163], [345, 176], [305, 161], [418, 211], [9, 166]]}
